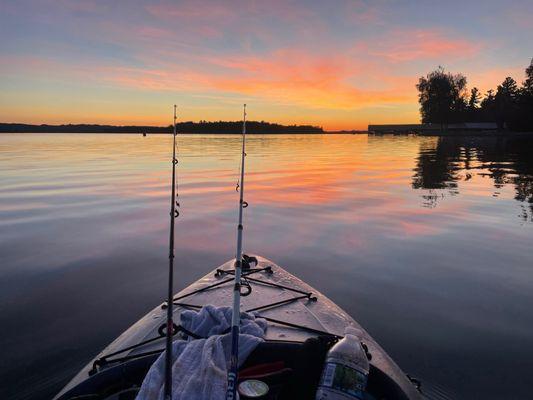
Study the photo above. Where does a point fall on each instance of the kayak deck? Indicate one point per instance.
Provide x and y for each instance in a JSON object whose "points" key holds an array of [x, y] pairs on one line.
{"points": [[294, 310]]}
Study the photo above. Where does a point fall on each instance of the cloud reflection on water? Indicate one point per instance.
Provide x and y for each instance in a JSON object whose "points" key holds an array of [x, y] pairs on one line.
{"points": [[84, 223]]}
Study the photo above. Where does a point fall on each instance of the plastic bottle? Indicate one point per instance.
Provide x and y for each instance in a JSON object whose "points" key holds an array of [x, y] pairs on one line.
{"points": [[345, 372]]}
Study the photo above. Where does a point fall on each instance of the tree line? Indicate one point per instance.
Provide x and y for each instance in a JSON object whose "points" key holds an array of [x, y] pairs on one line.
{"points": [[184, 127], [444, 99], [251, 126]]}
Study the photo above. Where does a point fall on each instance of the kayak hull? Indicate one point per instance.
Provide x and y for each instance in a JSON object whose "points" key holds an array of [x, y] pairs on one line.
{"points": [[294, 310]]}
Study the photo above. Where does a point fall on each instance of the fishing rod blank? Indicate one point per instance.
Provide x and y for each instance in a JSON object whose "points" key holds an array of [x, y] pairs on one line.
{"points": [[170, 299], [231, 393]]}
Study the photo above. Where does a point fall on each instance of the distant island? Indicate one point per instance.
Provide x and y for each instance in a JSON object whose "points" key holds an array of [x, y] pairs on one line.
{"points": [[218, 127]]}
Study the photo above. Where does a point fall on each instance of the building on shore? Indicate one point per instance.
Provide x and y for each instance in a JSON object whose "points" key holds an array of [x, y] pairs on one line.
{"points": [[479, 127]]}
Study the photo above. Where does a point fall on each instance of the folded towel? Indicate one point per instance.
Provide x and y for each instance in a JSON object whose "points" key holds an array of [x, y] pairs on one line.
{"points": [[199, 367]]}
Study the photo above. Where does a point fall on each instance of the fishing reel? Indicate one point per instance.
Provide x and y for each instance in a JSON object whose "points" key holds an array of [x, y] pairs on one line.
{"points": [[247, 261]]}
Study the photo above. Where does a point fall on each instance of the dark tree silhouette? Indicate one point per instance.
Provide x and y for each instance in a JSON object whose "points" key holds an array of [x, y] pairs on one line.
{"points": [[473, 105], [474, 99], [528, 83], [508, 88], [488, 107], [443, 100], [506, 102], [185, 127], [525, 101], [441, 97]]}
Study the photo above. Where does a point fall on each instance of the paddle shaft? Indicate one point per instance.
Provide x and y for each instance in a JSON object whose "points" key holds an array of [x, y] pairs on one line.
{"points": [[231, 393], [170, 298]]}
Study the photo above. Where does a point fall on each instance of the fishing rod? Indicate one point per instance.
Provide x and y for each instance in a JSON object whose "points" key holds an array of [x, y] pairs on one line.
{"points": [[231, 393], [170, 299]]}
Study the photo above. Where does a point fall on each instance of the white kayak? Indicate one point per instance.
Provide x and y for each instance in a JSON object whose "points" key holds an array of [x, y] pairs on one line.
{"points": [[296, 313]]}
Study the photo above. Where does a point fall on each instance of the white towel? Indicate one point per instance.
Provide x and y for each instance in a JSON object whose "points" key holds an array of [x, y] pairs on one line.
{"points": [[199, 367]]}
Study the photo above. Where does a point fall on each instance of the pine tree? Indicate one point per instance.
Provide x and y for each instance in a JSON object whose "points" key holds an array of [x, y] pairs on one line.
{"points": [[474, 99]]}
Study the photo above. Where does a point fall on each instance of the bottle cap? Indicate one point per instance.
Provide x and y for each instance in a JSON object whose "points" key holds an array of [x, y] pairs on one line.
{"points": [[253, 388], [352, 330]]}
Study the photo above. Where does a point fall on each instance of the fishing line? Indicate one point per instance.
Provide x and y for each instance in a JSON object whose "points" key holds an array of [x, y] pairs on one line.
{"points": [[174, 213], [231, 393]]}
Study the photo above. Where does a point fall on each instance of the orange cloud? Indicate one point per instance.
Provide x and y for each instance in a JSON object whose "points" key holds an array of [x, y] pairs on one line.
{"points": [[285, 76], [491, 78], [339, 67]]}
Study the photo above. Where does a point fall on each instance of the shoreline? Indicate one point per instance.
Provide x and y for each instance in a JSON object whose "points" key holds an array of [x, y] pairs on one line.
{"points": [[163, 133], [448, 134], [457, 134]]}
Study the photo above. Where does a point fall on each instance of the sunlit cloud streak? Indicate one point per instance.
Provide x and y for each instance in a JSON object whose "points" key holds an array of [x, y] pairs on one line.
{"points": [[332, 65], [410, 45]]}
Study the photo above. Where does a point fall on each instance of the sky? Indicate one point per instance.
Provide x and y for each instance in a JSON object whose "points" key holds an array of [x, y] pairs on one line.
{"points": [[336, 64]]}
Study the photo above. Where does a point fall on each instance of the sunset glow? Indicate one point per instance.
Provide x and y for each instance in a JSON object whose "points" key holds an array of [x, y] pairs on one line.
{"points": [[340, 66]]}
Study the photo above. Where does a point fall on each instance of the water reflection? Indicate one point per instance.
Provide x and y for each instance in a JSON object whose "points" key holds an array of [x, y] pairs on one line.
{"points": [[84, 230], [446, 161]]}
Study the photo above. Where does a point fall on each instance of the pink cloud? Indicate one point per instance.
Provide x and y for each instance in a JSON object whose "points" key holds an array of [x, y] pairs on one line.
{"points": [[360, 12], [242, 21], [411, 45], [204, 10], [85, 6], [286, 76], [151, 32], [219, 13]]}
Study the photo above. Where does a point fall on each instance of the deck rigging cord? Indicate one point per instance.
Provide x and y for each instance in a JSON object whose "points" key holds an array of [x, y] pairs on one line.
{"points": [[231, 393], [111, 358], [245, 281], [174, 204], [242, 281]]}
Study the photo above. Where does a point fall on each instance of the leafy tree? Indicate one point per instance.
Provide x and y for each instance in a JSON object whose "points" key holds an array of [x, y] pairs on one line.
{"points": [[442, 97]]}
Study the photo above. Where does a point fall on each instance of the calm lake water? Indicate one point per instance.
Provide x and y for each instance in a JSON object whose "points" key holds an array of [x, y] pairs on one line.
{"points": [[425, 241]]}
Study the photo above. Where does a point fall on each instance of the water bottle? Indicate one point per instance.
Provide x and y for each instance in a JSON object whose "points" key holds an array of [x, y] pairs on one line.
{"points": [[346, 369]]}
